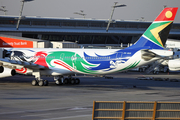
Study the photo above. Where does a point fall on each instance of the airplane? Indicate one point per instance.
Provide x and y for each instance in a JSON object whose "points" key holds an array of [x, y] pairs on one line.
{"points": [[174, 63], [66, 62]]}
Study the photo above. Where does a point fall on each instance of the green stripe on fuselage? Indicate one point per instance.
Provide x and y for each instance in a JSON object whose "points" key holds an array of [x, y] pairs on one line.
{"points": [[132, 65], [72, 59]]}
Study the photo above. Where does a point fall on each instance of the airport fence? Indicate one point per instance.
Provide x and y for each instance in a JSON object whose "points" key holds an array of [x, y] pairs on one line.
{"points": [[133, 110]]}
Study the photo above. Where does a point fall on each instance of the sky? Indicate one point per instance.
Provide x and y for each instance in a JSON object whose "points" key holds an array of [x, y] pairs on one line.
{"points": [[98, 9]]}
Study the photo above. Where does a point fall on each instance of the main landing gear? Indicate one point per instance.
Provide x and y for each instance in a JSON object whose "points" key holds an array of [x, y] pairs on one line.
{"points": [[40, 82], [59, 80]]}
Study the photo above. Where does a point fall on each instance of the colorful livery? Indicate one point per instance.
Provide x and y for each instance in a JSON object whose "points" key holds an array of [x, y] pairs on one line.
{"points": [[61, 62]]}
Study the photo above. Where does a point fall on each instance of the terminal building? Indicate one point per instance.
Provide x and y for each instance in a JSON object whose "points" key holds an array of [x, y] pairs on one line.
{"points": [[83, 32]]}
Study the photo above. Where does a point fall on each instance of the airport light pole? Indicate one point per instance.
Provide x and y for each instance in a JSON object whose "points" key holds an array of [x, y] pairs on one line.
{"points": [[20, 15], [115, 6], [3, 9], [80, 13]]}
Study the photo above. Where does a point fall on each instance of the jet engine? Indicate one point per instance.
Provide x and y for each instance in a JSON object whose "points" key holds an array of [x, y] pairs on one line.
{"points": [[1, 69], [174, 65], [6, 72]]}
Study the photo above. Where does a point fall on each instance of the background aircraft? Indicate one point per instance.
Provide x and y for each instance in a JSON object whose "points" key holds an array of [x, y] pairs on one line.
{"points": [[63, 62]]}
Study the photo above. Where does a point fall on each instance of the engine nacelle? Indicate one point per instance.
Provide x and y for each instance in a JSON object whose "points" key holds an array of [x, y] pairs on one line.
{"points": [[25, 71], [174, 65], [6, 72], [1, 69]]}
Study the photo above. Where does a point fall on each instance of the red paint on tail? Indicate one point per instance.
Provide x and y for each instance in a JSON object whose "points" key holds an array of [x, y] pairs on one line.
{"points": [[168, 14]]}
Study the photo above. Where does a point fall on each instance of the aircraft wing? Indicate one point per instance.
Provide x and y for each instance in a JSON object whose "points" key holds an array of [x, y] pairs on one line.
{"points": [[19, 64]]}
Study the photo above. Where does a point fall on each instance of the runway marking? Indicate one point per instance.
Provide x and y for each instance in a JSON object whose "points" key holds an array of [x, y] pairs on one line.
{"points": [[36, 115], [27, 111], [4, 113], [67, 117], [84, 110], [40, 110]]}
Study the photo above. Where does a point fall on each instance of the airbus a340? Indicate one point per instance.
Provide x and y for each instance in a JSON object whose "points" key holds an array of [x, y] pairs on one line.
{"points": [[63, 62]]}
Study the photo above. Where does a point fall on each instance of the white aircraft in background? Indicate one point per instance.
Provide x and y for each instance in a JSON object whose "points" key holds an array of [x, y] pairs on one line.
{"points": [[62, 62], [174, 63]]}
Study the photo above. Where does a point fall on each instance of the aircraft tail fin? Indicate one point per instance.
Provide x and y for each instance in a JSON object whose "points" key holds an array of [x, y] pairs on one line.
{"points": [[156, 35]]}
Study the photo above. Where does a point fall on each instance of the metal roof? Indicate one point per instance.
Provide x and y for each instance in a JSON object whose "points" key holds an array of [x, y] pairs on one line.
{"points": [[70, 30], [70, 18], [76, 28]]}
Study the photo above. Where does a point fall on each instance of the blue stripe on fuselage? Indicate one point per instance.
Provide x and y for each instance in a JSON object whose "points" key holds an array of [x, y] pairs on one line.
{"points": [[144, 42], [106, 61]]}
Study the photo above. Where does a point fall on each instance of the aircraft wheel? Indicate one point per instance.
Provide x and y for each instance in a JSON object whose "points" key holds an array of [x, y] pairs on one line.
{"points": [[45, 83], [77, 81], [58, 82], [41, 83], [155, 72], [61, 81], [65, 81], [140, 70], [72, 81], [34, 82]]}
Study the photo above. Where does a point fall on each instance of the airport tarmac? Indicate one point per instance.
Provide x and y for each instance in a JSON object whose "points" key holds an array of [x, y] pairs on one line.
{"points": [[21, 101]]}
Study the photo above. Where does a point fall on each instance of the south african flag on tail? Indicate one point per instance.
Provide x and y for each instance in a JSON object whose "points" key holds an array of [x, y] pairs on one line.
{"points": [[156, 35]]}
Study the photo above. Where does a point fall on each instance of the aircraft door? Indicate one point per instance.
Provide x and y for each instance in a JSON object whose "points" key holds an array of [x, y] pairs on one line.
{"points": [[119, 58], [61, 56], [119, 55]]}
